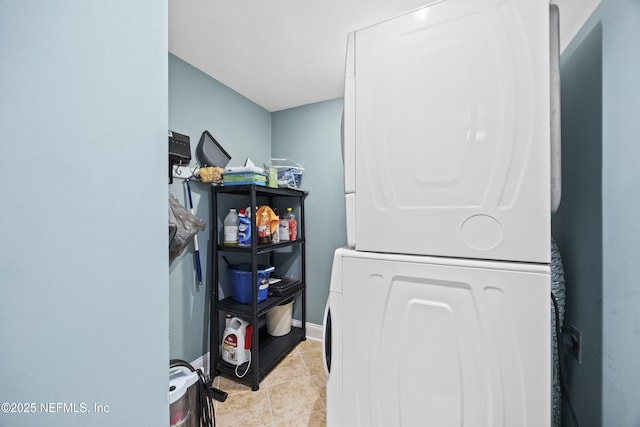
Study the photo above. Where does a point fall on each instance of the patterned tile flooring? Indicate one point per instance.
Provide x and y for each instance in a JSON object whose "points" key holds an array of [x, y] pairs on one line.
{"points": [[292, 395]]}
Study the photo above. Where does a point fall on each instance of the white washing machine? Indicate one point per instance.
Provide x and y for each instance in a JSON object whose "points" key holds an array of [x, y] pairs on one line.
{"points": [[427, 341]]}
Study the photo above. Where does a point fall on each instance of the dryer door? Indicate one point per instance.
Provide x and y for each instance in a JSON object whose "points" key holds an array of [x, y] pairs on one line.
{"points": [[443, 345]]}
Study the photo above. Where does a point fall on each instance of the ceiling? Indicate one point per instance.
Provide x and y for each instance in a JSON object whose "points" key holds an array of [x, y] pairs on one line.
{"points": [[286, 53]]}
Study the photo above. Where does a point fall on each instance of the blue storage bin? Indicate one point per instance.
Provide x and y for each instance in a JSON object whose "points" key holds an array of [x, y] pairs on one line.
{"points": [[240, 279]]}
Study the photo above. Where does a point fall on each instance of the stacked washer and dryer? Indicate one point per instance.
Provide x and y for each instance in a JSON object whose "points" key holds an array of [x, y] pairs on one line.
{"points": [[440, 306]]}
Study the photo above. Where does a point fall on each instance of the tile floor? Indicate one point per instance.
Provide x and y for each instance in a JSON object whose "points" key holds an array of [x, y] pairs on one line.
{"points": [[292, 395]]}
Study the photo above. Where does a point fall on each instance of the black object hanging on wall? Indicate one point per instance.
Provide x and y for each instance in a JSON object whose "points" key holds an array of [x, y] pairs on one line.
{"points": [[179, 151]]}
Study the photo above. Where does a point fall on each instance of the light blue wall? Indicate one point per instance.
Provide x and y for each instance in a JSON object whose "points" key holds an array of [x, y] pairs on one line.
{"points": [[604, 295], [84, 308], [621, 210], [198, 102], [310, 135], [577, 226]]}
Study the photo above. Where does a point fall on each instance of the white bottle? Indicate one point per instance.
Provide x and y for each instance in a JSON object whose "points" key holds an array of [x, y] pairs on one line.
{"points": [[231, 228], [283, 229], [236, 342]]}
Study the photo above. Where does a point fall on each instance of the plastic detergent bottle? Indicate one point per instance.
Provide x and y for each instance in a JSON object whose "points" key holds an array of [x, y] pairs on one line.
{"points": [[244, 229], [264, 229], [231, 228], [293, 225]]}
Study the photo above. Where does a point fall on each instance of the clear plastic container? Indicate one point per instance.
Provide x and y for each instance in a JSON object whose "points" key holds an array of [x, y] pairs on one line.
{"points": [[289, 173]]}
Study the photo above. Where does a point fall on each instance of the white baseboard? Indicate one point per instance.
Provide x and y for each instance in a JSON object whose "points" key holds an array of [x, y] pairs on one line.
{"points": [[202, 363], [314, 333]]}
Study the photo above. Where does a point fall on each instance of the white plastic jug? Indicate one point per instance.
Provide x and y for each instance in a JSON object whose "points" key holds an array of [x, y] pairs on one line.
{"points": [[236, 341]]}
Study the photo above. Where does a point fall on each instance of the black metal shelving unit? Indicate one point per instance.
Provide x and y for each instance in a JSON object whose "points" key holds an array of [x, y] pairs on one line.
{"points": [[266, 350]]}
